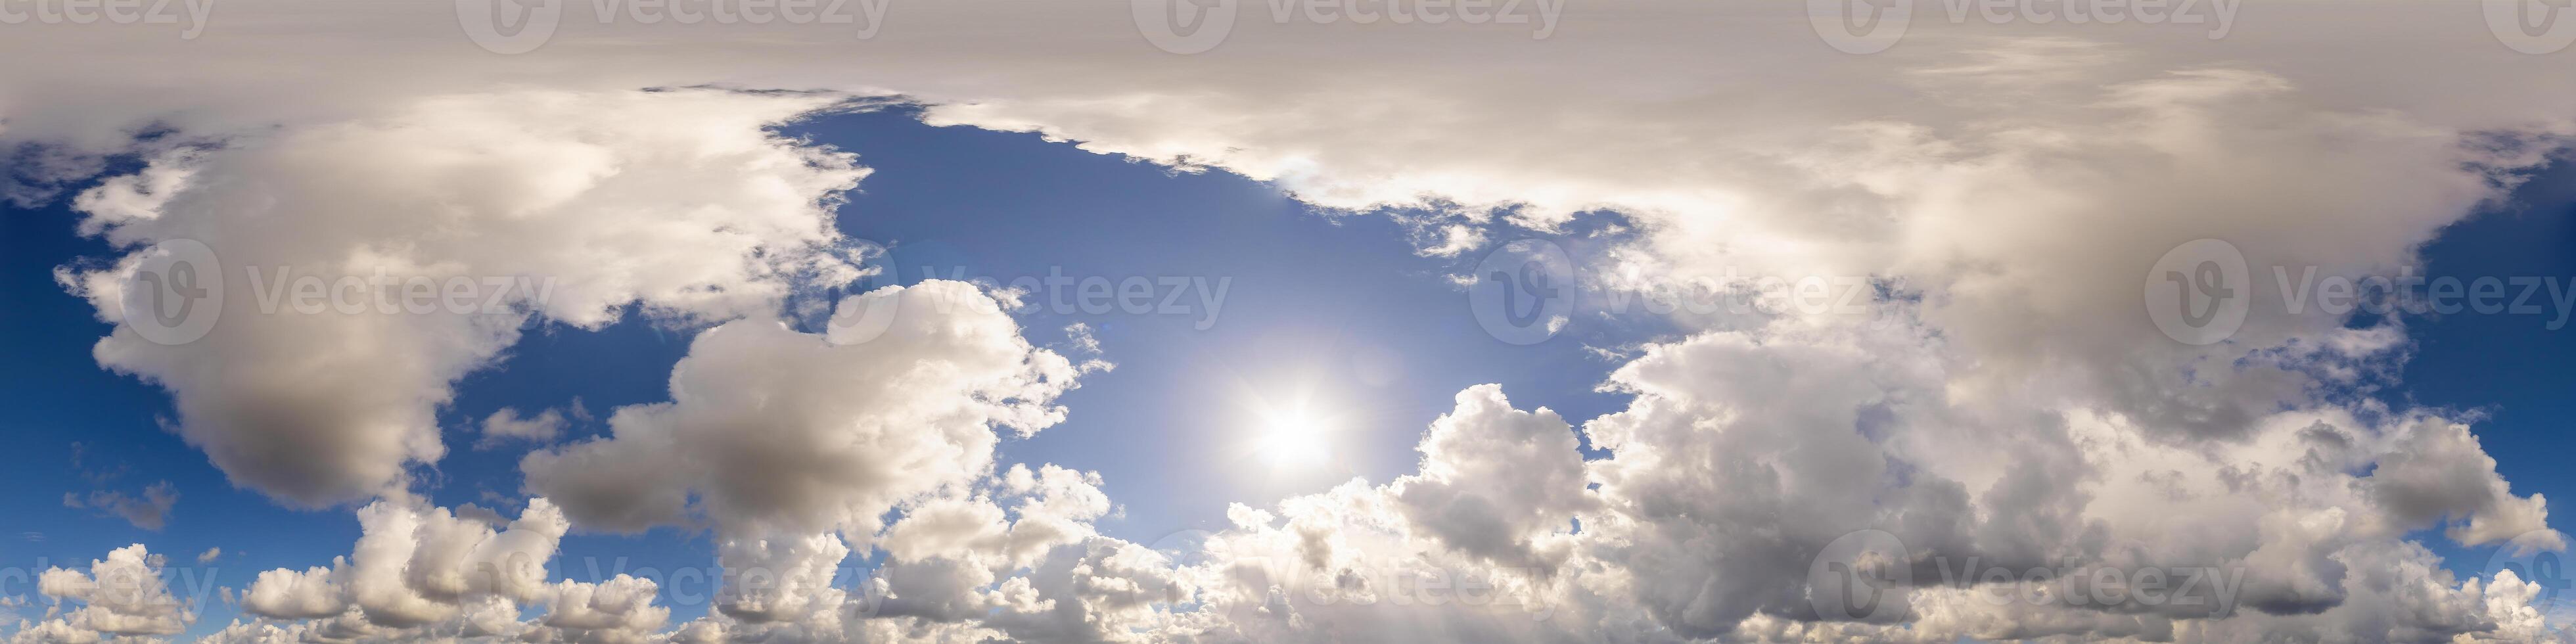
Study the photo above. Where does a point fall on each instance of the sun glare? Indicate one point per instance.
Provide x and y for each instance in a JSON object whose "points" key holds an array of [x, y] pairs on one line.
{"points": [[1293, 439]]}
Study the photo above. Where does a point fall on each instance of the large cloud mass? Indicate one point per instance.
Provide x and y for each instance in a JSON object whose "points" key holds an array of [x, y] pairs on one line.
{"points": [[568, 206]]}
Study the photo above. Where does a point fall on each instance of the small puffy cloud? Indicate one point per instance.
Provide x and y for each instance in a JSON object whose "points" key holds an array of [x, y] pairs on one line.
{"points": [[1014, 557], [415, 566], [2438, 471], [619, 610], [1497, 482], [294, 594], [210, 555], [506, 425], [121, 596], [782, 579]]}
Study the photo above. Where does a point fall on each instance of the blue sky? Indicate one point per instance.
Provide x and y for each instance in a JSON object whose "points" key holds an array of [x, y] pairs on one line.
{"points": [[2512, 368]]}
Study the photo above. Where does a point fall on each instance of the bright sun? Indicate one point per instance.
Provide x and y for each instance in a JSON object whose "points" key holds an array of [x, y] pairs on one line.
{"points": [[1292, 438]]}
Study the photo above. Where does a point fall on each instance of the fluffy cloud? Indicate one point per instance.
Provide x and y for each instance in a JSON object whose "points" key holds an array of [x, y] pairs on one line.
{"points": [[1012, 556], [617, 611], [293, 594], [489, 619], [1870, 436], [565, 206], [1746, 454], [1728, 461], [775, 431], [120, 597], [431, 573], [787, 440], [1497, 482], [415, 566]]}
